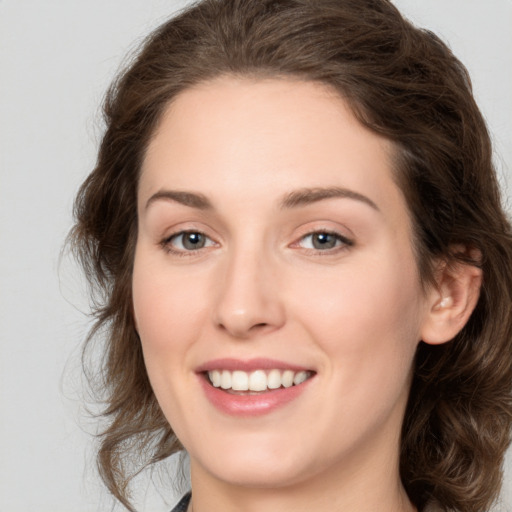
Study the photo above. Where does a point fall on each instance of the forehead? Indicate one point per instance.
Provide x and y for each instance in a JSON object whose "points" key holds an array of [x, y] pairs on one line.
{"points": [[242, 137], [255, 114]]}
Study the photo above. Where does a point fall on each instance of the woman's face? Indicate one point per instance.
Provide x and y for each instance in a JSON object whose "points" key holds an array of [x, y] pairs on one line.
{"points": [[274, 245]]}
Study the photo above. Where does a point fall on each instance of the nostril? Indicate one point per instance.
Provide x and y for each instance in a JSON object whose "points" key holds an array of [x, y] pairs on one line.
{"points": [[259, 326]]}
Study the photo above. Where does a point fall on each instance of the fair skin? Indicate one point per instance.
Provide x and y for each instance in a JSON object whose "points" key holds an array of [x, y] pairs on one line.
{"points": [[272, 234]]}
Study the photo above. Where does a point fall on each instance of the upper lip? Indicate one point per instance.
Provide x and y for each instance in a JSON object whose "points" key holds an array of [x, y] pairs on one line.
{"points": [[248, 365]]}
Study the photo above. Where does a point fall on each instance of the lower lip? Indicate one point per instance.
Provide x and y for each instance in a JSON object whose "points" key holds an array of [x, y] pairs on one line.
{"points": [[251, 405]]}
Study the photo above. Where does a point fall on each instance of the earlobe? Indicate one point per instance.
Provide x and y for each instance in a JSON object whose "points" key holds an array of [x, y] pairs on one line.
{"points": [[451, 302]]}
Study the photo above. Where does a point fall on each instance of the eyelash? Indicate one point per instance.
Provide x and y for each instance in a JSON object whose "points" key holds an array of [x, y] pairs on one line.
{"points": [[342, 243]]}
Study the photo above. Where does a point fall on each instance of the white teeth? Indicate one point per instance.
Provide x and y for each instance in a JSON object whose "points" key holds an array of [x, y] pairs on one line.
{"points": [[239, 381], [225, 381], [287, 378], [299, 378], [258, 380], [274, 379], [216, 378]]}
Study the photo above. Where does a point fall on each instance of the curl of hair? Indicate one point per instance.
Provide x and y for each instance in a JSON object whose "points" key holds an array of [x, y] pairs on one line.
{"points": [[401, 82]]}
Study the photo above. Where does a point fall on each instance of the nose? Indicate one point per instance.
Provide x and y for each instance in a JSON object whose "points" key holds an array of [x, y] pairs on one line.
{"points": [[249, 300]]}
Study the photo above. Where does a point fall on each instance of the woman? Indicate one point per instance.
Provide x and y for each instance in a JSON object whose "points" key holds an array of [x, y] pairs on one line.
{"points": [[304, 266]]}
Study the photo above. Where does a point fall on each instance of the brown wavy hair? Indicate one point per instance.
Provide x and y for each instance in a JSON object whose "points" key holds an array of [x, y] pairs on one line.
{"points": [[403, 83]]}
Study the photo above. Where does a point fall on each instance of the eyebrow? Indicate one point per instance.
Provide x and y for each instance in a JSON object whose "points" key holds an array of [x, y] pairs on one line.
{"points": [[192, 199], [307, 196], [301, 197]]}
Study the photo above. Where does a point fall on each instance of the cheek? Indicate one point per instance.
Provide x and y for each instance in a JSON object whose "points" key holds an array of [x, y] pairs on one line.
{"points": [[166, 307], [367, 317]]}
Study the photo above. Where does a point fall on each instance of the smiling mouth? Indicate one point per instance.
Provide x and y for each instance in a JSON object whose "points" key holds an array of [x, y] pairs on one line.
{"points": [[258, 381]]}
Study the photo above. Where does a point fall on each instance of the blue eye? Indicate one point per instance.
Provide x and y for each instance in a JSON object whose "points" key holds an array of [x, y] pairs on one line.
{"points": [[188, 241], [324, 241]]}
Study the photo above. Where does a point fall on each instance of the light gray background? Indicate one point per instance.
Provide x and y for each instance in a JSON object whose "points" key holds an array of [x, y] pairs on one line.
{"points": [[56, 59]]}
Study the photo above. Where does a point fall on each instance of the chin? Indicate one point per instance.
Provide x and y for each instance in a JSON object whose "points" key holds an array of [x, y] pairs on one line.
{"points": [[259, 476], [259, 466]]}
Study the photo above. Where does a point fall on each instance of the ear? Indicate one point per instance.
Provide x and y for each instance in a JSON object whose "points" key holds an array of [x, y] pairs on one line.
{"points": [[451, 302]]}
